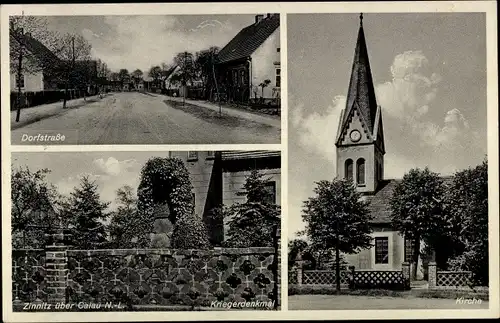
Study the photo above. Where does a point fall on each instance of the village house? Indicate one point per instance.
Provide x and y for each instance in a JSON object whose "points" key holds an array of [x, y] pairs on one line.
{"points": [[44, 71], [83, 76], [172, 80], [360, 157], [217, 177], [248, 67], [37, 59]]}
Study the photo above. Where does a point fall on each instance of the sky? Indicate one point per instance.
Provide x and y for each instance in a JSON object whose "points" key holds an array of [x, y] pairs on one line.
{"points": [[429, 72], [109, 170], [139, 42]]}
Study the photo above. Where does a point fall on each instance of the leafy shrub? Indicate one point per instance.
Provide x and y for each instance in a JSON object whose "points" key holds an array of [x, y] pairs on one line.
{"points": [[190, 233]]}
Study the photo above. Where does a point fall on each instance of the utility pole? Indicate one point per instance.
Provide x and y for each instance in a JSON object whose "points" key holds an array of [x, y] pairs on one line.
{"points": [[216, 85], [20, 65], [68, 69], [184, 82], [19, 73]]}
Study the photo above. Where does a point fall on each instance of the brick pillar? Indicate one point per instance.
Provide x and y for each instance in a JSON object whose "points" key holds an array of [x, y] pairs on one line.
{"points": [[432, 274], [406, 274], [279, 267], [56, 267]]}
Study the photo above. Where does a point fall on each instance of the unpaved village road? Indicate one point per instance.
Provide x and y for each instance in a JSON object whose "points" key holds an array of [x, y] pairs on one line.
{"points": [[137, 118]]}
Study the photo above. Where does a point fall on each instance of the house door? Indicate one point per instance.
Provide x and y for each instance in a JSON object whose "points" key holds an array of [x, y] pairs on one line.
{"points": [[239, 81]]}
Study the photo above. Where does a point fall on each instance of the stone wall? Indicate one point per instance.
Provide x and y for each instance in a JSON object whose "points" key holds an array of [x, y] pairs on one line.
{"points": [[135, 278]]}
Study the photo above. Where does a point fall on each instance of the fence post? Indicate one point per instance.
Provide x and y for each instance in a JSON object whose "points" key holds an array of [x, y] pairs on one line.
{"points": [[56, 266], [432, 274], [300, 268], [352, 278], [406, 274]]}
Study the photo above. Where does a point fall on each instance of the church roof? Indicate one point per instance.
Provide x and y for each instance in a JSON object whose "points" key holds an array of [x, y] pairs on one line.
{"points": [[361, 90], [380, 207]]}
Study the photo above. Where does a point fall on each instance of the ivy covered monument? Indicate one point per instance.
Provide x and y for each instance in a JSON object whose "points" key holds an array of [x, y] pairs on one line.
{"points": [[166, 207]]}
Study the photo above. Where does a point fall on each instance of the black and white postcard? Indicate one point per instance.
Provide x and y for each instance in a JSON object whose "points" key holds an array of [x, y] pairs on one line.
{"points": [[257, 160], [145, 79]]}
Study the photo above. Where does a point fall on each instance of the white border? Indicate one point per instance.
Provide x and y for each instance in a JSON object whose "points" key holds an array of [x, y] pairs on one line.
{"points": [[240, 8]]}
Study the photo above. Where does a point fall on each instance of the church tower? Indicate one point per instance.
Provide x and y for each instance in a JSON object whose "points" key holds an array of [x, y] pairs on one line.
{"points": [[360, 135]]}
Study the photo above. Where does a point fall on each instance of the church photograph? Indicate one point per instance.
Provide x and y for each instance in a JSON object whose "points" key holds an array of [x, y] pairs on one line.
{"points": [[388, 161]]}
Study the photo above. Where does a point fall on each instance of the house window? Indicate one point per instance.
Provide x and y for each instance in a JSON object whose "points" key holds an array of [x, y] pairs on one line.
{"points": [[243, 79], [235, 77], [192, 156], [271, 189], [278, 77], [409, 245], [348, 169], [278, 49], [381, 250], [210, 154], [360, 171], [19, 81]]}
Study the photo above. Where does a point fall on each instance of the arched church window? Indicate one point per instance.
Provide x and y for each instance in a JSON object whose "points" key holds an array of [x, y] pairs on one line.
{"points": [[360, 171], [348, 169]]}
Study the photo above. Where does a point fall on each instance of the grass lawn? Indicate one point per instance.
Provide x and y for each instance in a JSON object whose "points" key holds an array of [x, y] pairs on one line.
{"points": [[357, 302]]}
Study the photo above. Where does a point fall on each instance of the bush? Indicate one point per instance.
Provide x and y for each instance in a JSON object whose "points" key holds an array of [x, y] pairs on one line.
{"points": [[195, 93], [190, 233]]}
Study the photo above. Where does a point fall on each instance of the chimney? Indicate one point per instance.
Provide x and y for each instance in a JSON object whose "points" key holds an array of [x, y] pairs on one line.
{"points": [[258, 18]]}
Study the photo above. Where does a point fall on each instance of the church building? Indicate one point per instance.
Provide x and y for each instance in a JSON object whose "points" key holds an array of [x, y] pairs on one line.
{"points": [[360, 157]]}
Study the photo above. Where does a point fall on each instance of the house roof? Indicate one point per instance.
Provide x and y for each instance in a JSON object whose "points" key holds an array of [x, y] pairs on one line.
{"points": [[44, 55], [249, 39], [170, 71], [248, 154], [379, 207]]}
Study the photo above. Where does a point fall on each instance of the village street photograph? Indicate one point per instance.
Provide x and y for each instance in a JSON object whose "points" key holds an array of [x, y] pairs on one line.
{"points": [[391, 109], [145, 79], [146, 231]]}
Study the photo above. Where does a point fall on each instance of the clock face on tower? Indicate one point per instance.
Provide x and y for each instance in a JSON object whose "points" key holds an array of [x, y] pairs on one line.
{"points": [[355, 135]]}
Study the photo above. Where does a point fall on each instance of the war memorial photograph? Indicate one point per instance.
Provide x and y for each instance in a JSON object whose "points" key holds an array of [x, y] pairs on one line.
{"points": [[140, 231]]}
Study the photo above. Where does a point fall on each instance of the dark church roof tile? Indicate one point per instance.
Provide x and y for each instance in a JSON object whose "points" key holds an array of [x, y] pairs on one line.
{"points": [[380, 207]]}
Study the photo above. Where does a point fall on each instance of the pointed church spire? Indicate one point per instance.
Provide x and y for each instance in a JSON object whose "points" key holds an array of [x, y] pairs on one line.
{"points": [[361, 91]]}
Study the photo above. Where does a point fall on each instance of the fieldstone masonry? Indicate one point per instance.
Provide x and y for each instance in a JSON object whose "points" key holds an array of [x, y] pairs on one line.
{"points": [[432, 274], [145, 277]]}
